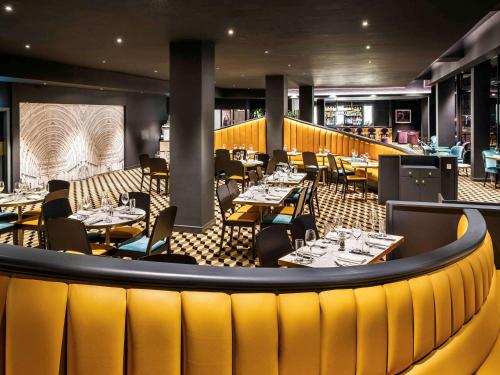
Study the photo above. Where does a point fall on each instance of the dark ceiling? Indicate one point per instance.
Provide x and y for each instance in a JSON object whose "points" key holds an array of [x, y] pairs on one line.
{"points": [[323, 40]]}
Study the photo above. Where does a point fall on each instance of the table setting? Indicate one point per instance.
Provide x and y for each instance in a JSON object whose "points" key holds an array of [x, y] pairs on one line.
{"points": [[263, 194], [286, 178], [341, 247]]}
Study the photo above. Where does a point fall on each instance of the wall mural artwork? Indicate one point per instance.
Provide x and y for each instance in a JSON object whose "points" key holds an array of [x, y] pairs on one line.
{"points": [[70, 141]]}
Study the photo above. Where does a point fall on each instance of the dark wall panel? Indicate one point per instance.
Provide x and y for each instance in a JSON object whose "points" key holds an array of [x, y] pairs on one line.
{"points": [[4, 95], [416, 118], [445, 107], [424, 105], [144, 114]]}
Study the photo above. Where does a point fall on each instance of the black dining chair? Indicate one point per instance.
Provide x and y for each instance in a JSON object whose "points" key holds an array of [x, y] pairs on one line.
{"points": [[158, 241], [335, 173], [159, 172], [301, 224], [271, 244], [222, 157], [264, 158], [170, 258], [55, 185], [253, 177], [281, 156], [236, 172], [145, 167], [69, 235], [271, 166], [234, 191]]}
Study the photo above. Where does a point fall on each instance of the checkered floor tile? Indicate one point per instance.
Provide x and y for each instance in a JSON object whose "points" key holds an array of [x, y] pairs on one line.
{"points": [[205, 247]]}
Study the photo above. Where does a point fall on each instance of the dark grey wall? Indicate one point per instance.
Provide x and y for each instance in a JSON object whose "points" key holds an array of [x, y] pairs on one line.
{"points": [[445, 107], [432, 112], [424, 109], [4, 95], [416, 118], [276, 108], [144, 114]]}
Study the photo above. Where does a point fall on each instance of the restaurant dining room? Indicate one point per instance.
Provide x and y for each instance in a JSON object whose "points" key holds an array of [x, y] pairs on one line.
{"points": [[215, 188]]}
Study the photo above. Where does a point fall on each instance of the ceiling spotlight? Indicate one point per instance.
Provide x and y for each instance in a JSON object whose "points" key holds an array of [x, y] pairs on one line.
{"points": [[266, 52], [230, 32], [333, 96], [119, 40], [364, 23], [104, 61], [27, 46], [156, 71], [369, 61], [100, 88], [373, 95], [8, 8], [368, 46], [289, 65], [45, 83]]}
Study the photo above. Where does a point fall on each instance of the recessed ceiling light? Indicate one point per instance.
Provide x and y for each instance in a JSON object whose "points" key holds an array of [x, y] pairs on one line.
{"points": [[104, 61], [289, 65], [230, 32], [333, 96], [119, 40], [101, 88], [364, 23], [368, 46], [8, 8], [266, 52], [217, 68], [45, 83], [369, 61], [373, 95], [27, 46], [156, 71]]}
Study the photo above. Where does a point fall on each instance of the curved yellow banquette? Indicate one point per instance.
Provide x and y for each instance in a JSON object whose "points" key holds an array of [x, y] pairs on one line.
{"points": [[435, 313], [247, 133]]}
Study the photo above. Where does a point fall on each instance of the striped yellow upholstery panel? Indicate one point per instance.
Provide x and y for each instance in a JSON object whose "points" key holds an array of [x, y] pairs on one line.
{"points": [[248, 133], [445, 322]]}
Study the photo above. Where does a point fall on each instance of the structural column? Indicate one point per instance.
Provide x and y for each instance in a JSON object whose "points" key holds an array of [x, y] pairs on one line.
{"points": [[480, 111], [276, 108], [445, 112], [320, 109], [192, 134], [306, 103]]}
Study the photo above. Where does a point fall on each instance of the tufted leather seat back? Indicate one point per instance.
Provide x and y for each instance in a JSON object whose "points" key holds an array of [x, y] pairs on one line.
{"points": [[251, 132], [443, 322]]}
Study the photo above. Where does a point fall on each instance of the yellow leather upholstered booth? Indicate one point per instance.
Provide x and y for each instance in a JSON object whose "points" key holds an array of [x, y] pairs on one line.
{"points": [[309, 137], [251, 132], [443, 321]]}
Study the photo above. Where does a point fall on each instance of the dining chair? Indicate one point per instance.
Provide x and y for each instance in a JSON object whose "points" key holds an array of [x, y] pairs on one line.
{"points": [[222, 157], [335, 172], [234, 191], [231, 218], [260, 175], [159, 172], [311, 164], [301, 224], [271, 244], [236, 172], [170, 258], [466, 162], [70, 235], [264, 158], [353, 179], [36, 222], [271, 166], [55, 185], [490, 167], [252, 176], [159, 239], [281, 156], [285, 219], [145, 167], [126, 232]]}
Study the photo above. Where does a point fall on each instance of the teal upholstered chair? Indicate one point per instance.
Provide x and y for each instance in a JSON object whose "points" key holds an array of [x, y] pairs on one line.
{"points": [[287, 214], [458, 152], [159, 240], [490, 166]]}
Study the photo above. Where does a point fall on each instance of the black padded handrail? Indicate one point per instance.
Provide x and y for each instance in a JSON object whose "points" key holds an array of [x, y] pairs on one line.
{"points": [[360, 137], [110, 271]]}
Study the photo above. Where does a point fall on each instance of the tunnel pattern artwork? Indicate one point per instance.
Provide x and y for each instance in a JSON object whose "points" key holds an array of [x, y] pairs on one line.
{"points": [[70, 141]]}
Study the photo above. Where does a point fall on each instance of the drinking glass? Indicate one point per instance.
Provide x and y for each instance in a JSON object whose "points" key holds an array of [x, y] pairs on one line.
{"points": [[373, 218], [125, 198], [250, 147], [294, 149], [327, 229], [86, 204], [338, 222], [251, 184], [320, 150], [243, 146], [357, 231], [285, 148], [17, 188], [310, 238], [381, 228], [223, 146], [2, 186], [366, 244], [109, 213], [299, 244], [235, 146], [132, 205]]}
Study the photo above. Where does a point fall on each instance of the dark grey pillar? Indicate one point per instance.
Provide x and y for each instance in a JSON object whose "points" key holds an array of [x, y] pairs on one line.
{"points": [[432, 112], [480, 111], [306, 103], [192, 134], [424, 119], [320, 108], [445, 113], [276, 108]]}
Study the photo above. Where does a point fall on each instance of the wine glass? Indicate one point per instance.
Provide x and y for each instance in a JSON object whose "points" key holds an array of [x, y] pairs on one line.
{"points": [[373, 218], [357, 231], [124, 198], [17, 188], [2, 186], [86, 202], [338, 222], [327, 230], [310, 239]]}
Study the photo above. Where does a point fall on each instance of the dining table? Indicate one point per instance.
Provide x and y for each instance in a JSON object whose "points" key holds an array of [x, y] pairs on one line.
{"points": [[250, 164], [263, 198], [19, 201], [326, 253], [99, 219], [358, 163]]}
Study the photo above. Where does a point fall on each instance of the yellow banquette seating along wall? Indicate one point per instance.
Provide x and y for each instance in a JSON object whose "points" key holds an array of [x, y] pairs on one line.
{"points": [[247, 133], [309, 137], [443, 322]]}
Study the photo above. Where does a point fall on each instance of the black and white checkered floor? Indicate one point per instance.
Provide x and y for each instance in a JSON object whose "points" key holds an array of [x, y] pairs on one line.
{"points": [[205, 247]]}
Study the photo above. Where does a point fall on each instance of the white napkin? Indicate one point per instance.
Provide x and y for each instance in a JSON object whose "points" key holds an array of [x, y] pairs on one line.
{"points": [[352, 258], [318, 252]]}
